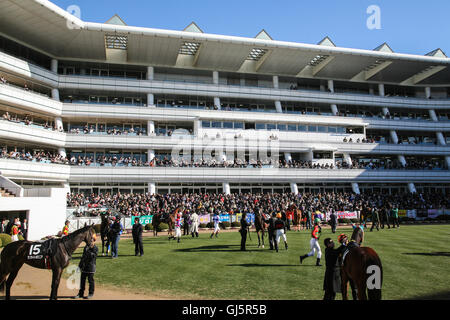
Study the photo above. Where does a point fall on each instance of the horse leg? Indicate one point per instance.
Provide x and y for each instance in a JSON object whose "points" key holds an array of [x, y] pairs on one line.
{"points": [[344, 285], [9, 282], [354, 290], [56, 277], [361, 290]]}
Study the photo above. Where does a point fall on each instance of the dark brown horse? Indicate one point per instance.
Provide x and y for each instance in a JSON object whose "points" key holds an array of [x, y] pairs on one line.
{"points": [[15, 254], [260, 227], [105, 235], [170, 220], [297, 216], [362, 267]]}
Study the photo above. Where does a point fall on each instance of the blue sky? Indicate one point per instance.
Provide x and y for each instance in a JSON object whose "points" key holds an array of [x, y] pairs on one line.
{"points": [[415, 27]]}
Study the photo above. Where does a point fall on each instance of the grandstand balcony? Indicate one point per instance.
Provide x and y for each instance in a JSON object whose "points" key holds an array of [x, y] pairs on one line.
{"points": [[32, 134], [83, 82], [14, 96]]}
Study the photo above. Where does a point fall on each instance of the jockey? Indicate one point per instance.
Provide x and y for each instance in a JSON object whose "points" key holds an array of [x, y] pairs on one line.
{"points": [[65, 230], [216, 221], [314, 243], [280, 227], [178, 226], [15, 231]]}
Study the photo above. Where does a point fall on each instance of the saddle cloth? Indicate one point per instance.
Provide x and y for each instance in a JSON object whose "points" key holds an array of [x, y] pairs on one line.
{"points": [[42, 250]]}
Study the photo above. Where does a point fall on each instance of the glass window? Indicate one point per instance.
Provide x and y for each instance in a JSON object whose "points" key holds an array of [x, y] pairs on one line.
{"points": [[301, 128], [216, 124], [271, 126], [322, 129], [238, 125], [340, 129], [332, 129], [260, 126], [281, 127], [292, 127], [312, 128], [228, 125], [206, 124]]}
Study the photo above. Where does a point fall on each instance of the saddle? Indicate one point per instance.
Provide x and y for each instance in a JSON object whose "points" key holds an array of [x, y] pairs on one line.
{"points": [[43, 251], [351, 245]]}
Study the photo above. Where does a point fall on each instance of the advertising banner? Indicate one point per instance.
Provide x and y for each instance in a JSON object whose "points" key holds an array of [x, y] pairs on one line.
{"points": [[250, 218], [347, 214], [204, 219], [411, 214], [224, 218], [402, 213], [433, 213], [144, 220]]}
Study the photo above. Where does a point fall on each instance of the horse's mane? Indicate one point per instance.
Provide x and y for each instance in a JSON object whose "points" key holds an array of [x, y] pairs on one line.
{"points": [[77, 232]]}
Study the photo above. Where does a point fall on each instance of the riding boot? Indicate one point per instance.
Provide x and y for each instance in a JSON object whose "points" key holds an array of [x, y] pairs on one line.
{"points": [[303, 258], [210, 236], [178, 240], [318, 262], [196, 234], [286, 245]]}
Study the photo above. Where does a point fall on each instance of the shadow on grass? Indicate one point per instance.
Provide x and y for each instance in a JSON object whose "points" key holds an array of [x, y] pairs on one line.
{"points": [[37, 297], [433, 254], [251, 265], [218, 248], [442, 295]]}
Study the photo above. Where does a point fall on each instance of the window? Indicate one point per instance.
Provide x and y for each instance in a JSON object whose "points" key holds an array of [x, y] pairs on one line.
{"points": [[340, 130], [301, 128], [260, 126], [271, 126], [206, 124], [322, 129], [228, 125], [332, 129], [292, 127], [216, 124], [238, 125], [282, 127], [312, 128]]}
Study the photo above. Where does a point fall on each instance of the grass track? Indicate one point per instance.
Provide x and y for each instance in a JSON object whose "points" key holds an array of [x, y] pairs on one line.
{"points": [[415, 259]]}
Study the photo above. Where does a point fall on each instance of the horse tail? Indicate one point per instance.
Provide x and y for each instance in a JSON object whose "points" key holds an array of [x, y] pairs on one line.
{"points": [[374, 271]]}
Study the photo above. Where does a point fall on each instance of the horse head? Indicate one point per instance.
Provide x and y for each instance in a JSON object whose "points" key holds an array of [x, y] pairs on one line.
{"points": [[358, 235], [90, 235]]}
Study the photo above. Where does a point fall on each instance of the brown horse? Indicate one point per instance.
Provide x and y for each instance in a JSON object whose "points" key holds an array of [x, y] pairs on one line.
{"points": [[358, 265], [170, 220], [15, 254], [260, 226], [297, 217]]}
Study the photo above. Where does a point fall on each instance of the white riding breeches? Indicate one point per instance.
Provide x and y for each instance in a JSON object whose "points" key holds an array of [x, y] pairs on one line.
{"points": [[315, 247]]}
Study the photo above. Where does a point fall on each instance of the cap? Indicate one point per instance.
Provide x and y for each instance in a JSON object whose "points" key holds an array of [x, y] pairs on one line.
{"points": [[341, 237]]}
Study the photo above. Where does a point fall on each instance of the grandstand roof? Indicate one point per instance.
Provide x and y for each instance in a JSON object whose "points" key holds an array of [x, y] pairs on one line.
{"points": [[51, 30]]}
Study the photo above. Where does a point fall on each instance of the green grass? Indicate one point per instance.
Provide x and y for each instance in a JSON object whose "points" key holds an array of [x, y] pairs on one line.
{"points": [[216, 269]]}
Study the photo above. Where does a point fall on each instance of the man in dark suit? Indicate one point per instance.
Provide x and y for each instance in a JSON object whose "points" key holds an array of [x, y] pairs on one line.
{"points": [[137, 238]]}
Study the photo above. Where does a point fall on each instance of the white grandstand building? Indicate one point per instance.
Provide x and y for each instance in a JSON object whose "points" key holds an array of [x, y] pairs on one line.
{"points": [[342, 119]]}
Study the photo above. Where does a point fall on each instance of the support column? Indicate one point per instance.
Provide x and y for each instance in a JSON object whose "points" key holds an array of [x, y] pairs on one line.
{"points": [[394, 136], [150, 100], [197, 127], [150, 128], [427, 92], [150, 73], [278, 106], [347, 158], [402, 160], [150, 155], [226, 188], [62, 152], [334, 109], [287, 156], [331, 85], [355, 187], [215, 77], [276, 84], [55, 94], [151, 188], [381, 89], [217, 103], [440, 138], [411, 187], [54, 65], [59, 123], [294, 188], [433, 115]]}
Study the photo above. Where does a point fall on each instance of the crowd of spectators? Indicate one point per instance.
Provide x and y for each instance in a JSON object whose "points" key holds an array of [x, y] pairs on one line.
{"points": [[130, 204], [28, 121], [111, 131], [35, 156]]}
